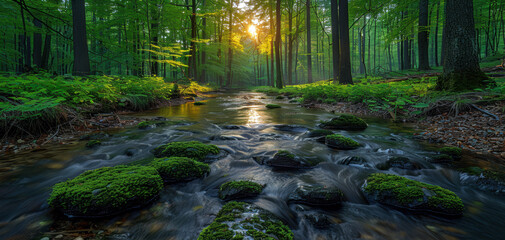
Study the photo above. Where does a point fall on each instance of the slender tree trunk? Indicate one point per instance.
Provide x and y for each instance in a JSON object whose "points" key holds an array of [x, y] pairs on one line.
{"points": [[203, 77], [461, 65], [37, 44], [230, 50], [45, 53], [278, 80], [81, 57], [335, 35], [344, 72], [424, 61], [309, 41], [290, 43]]}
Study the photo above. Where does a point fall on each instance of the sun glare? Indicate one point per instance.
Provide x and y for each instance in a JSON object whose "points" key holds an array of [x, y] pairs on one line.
{"points": [[252, 30]]}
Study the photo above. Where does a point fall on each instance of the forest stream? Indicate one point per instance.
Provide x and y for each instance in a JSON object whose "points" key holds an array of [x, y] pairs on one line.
{"points": [[239, 124]]}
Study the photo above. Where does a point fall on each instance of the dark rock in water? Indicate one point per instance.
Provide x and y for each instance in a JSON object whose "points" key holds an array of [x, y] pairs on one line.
{"points": [[239, 220], [442, 158], [95, 136], [192, 149], [340, 142], [317, 195], [261, 160], [131, 151], [239, 189], [231, 127], [272, 106], [402, 193], [179, 169], [159, 122], [319, 221], [290, 128], [319, 133], [345, 122], [485, 180], [106, 191], [93, 143], [280, 97], [353, 160], [399, 162], [285, 159], [227, 138]]}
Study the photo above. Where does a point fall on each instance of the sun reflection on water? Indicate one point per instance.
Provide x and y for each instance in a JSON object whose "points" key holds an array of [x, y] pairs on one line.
{"points": [[254, 118]]}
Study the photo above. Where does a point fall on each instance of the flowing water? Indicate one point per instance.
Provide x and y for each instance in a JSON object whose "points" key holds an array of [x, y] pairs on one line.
{"points": [[183, 210]]}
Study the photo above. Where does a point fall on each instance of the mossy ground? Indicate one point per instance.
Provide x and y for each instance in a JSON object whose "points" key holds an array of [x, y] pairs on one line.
{"points": [[106, 190], [272, 106], [192, 149], [231, 224], [179, 169], [340, 142], [408, 193], [345, 122], [239, 188]]}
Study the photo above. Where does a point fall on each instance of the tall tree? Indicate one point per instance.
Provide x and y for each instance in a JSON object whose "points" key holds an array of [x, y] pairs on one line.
{"points": [[460, 61], [335, 39], [309, 43], [230, 50], [424, 61], [344, 72], [81, 57], [278, 79]]}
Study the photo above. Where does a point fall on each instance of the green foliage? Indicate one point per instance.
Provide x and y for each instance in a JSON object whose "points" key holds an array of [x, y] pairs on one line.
{"points": [[191, 149], [407, 192], [180, 169], [106, 190]]}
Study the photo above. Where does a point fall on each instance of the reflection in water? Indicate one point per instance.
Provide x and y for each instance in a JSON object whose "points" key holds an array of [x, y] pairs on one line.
{"points": [[254, 118]]}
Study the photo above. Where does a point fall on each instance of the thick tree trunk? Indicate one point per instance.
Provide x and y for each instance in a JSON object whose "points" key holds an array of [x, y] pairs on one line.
{"points": [[335, 35], [436, 35], [45, 53], [344, 72], [461, 65], [424, 61], [278, 79], [309, 41], [290, 44], [192, 58], [37, 44], [203, 77], [81, 57], [230, 50]]}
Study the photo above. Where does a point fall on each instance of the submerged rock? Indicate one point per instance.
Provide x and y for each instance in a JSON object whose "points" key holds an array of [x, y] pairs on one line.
{"points": [[340, 142], [399, 162], [442, 158], [239, 220], [485, 180], [319, 133], [319, 221], [93, 143], [159, 122], [106, 191], [345, 122], [353, 160], [192, 149], [290, 128], [272, 106], [317, 195], [239, 189], [180, 169], [402, 193], [285, 159]]}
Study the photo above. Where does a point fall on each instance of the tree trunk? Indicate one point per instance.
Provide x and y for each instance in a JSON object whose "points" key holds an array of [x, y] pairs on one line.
{"points": [[37, 44], [230, 50], [436, 35], [424, 61], [203, 77], [461, 65], [290, 44], [344, 72], [192, 58], [81, 57], [335, 36], [278, 79], [309, 41]]}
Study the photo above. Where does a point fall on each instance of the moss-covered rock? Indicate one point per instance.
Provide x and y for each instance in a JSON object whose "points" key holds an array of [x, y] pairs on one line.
{"points": [[272, 106], [399, 162], [345, 122], [340, 142], [143, 125], [319, 133], [192, 149], [180, 169], [93, 143], [442, 158], [106, 191], [239, 189], [285, 160], [319, 221], [317, 195], [454, 152], [199, 103], [485, 180], [406, 194], [280, 97], [239, 220]]}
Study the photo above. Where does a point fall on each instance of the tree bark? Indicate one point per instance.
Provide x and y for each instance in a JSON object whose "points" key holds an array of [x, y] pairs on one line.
{"points": [[309, 41], [461, 65], [424, 61], [81, 57], [344, 72], [230, 50], [278, 79], [290, 43], [335, 36]]}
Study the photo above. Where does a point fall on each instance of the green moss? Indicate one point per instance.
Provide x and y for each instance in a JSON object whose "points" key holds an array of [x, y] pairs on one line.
{"points": [[199, 103], [410, 193], [93, 143], [320, 133], [143, 125], [455, 152], [180, 169], [476, 171], [345, 122], [284, 154], [280, 97], [231, 222], [239, 189], [340, 142], [192, 149], [494, 175], [106, 190], [272, 106]]}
